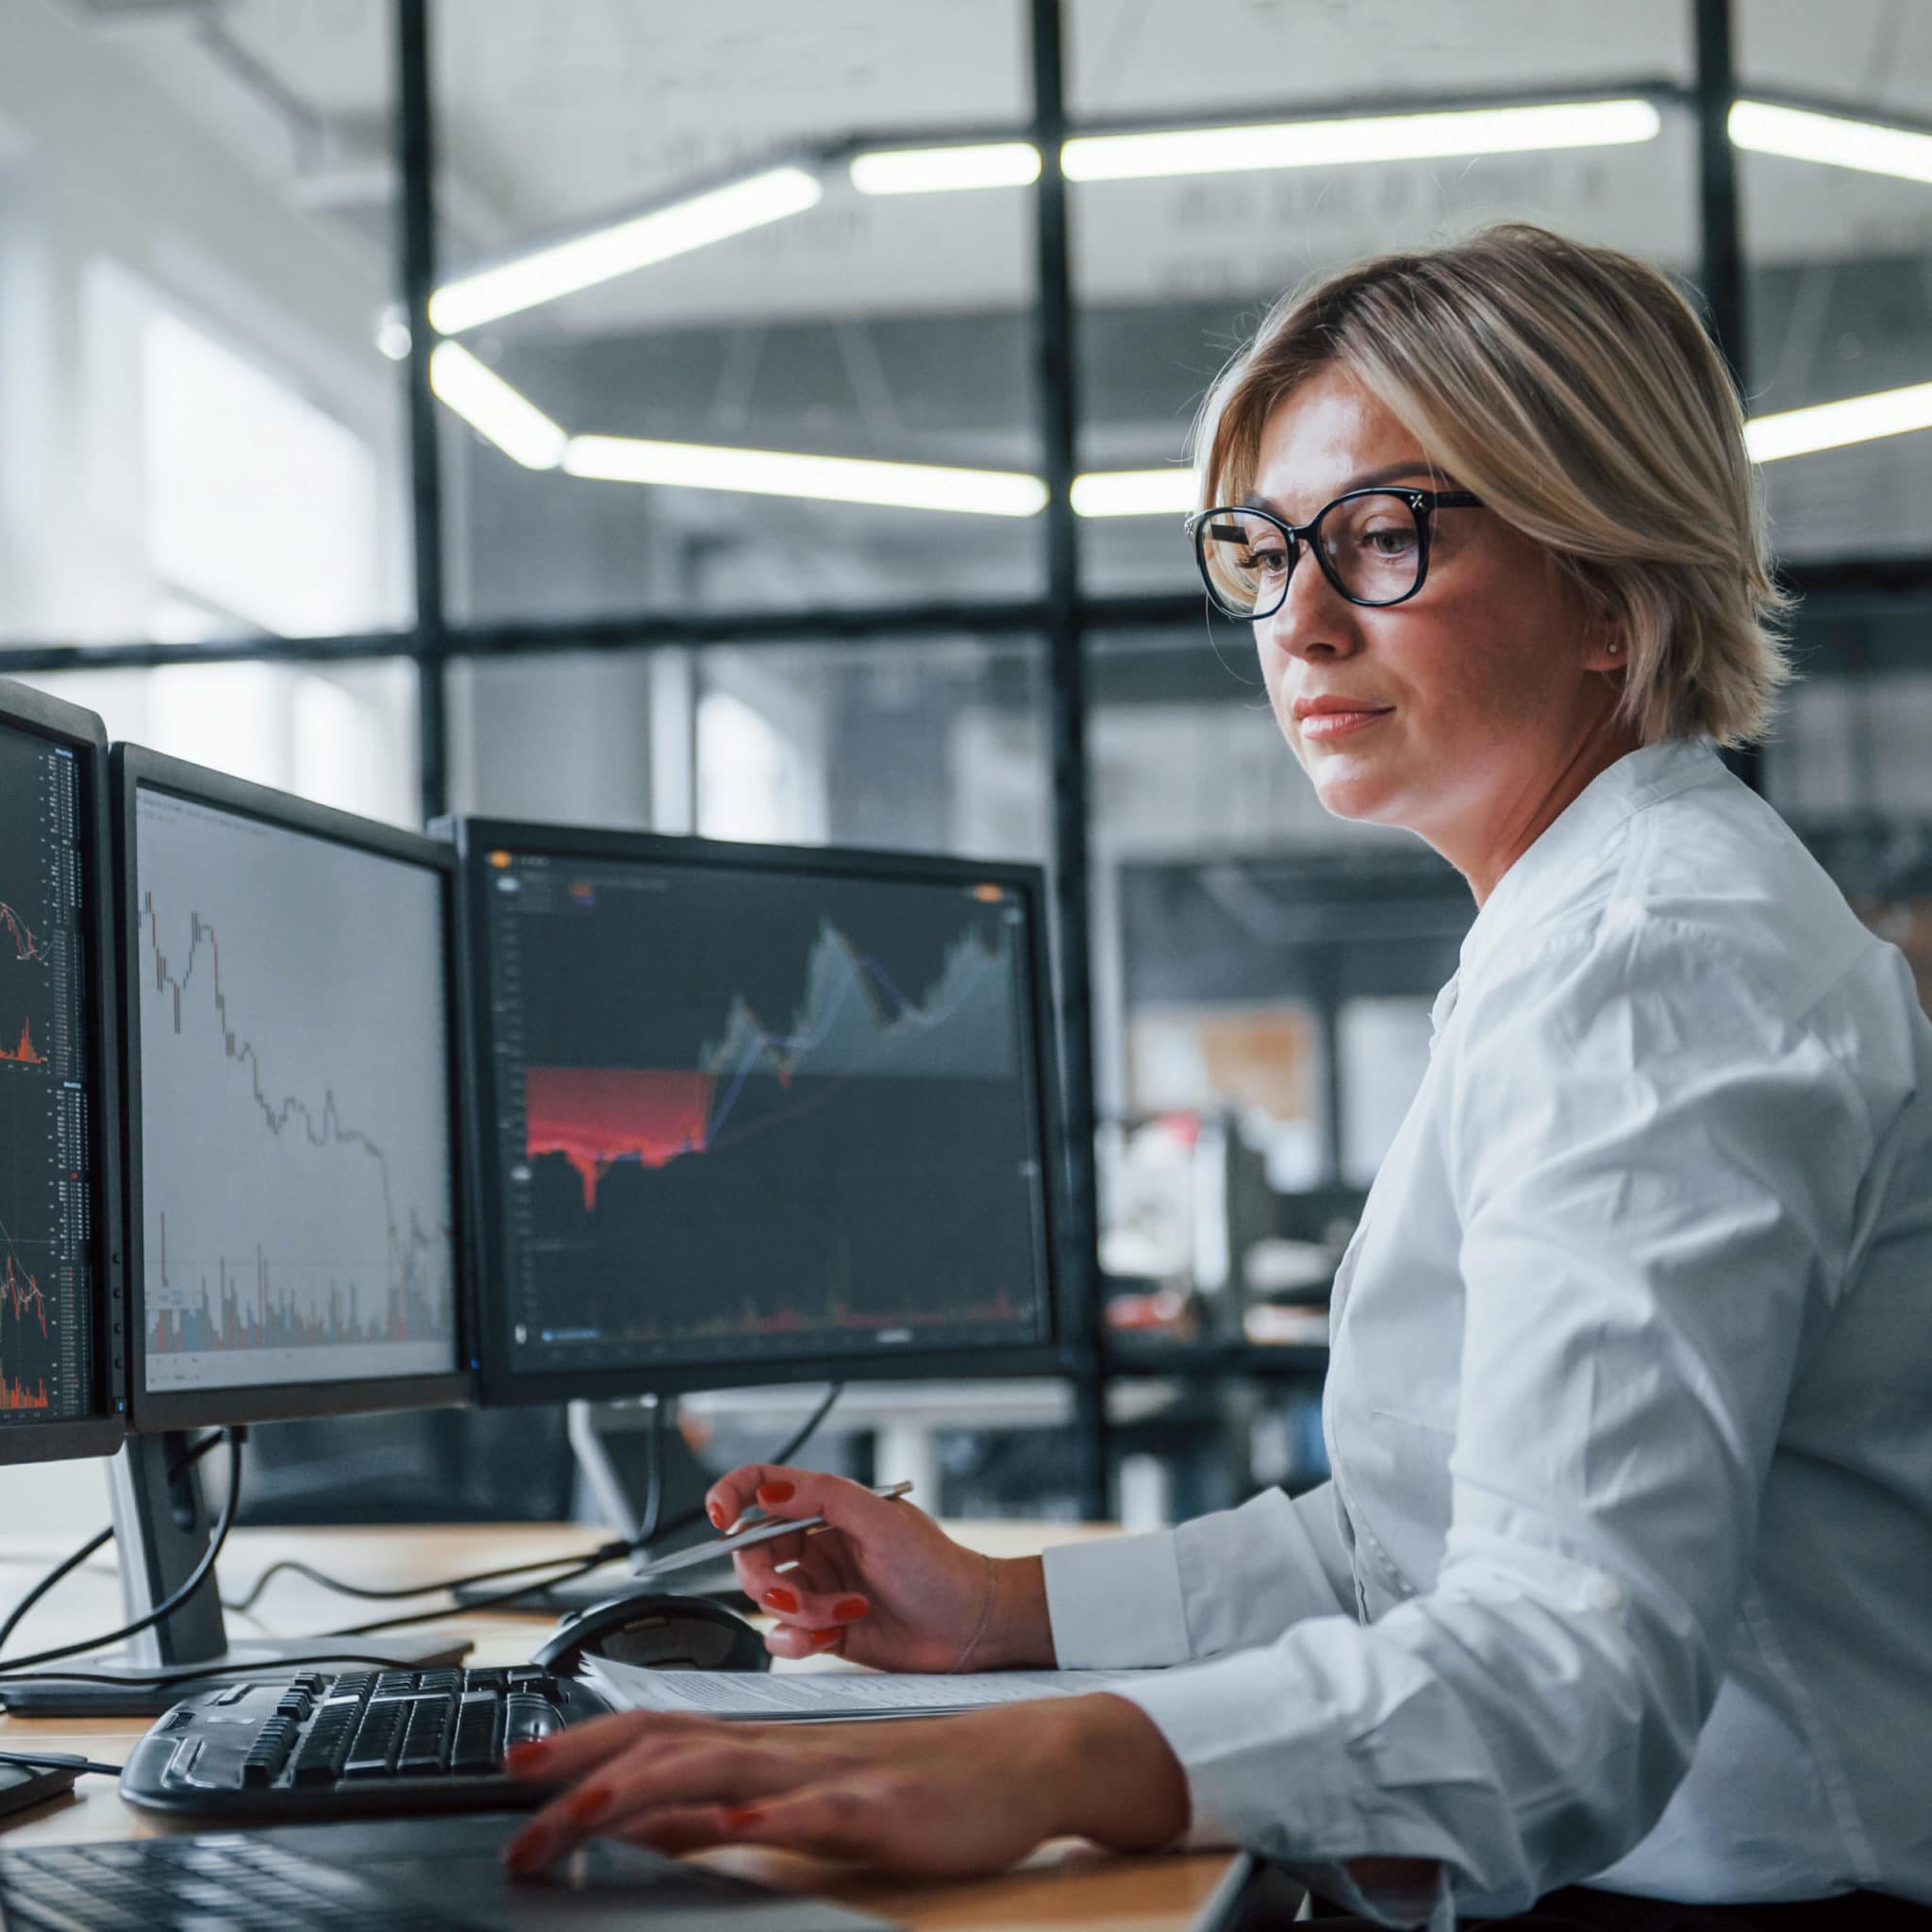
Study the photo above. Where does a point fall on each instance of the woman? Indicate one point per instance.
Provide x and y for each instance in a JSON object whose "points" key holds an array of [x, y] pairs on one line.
{"points": [[1622, 1573]]}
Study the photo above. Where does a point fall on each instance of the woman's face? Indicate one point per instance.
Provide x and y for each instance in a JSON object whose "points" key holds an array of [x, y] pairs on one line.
{"points": [[1471, 708]]}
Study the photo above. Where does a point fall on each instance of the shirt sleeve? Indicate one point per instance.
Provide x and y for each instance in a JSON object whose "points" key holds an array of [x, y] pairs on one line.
{"points": [[1655, 1174], [1223, 1582]]}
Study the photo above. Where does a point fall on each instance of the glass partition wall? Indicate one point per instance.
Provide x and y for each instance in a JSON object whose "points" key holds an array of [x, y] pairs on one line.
{"points": [[775, 427]]}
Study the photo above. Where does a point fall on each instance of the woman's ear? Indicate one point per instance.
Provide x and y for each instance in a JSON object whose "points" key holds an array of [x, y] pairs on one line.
{"points": [[1605, 649]]}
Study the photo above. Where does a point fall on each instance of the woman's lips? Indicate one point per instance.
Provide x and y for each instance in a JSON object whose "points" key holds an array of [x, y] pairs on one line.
{"points": [[1326, 724]]}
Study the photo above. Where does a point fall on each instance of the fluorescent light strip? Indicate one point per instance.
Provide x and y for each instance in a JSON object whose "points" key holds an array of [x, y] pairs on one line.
{"points": [[1801, 136], [1374, 137], [944, 170], [1831, 426], [550, 274], [829, 479], [1135, 492], [491, 407]]}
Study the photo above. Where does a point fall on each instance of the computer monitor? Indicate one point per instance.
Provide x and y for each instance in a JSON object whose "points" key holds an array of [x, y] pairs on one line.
{"points": [[291, 1046], [61, 1325], [753, 1114]]}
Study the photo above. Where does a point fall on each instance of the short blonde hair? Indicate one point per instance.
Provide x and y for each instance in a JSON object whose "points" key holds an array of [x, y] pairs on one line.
{"points": [[1573, 389]]}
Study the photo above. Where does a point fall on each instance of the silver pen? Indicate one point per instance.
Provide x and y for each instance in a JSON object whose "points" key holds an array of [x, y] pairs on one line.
{"points": [[760, 1528]]}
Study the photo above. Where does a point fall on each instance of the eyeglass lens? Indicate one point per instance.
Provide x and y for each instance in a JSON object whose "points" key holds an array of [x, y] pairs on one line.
{"points": [[1372, 544]]}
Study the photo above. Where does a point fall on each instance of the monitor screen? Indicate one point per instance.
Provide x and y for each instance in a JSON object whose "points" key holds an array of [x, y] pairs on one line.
{"points": [[53, 1281], [291, 1014], [754, 1111]]}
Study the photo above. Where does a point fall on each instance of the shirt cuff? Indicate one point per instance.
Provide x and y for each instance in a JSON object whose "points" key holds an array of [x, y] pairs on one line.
{"points": [[1221, 1718], [1116, 1604]]}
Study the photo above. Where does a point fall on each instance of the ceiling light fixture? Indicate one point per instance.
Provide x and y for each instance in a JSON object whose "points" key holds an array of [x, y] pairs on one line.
{"points": [[1799, 135], [829, 479], [1831, 426], [546, 275], [1369, 138], [944, 170], [1135, 492], [493, 409]]}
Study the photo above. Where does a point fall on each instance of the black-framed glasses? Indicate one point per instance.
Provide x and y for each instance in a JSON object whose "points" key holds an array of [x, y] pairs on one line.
{"points": [[1372, 544]]}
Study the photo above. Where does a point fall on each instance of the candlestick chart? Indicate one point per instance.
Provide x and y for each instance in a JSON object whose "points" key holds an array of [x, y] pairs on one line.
{"points": [[47, 1260], [791, 1114], [296, 1193]]}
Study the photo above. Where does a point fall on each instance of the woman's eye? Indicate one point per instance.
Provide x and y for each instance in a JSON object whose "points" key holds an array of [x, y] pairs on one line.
{"points": [[1267, 563], [1394, 540]]}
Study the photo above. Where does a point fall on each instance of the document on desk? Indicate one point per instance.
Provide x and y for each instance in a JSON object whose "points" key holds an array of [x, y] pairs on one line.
{"points": [[822, 1696]]}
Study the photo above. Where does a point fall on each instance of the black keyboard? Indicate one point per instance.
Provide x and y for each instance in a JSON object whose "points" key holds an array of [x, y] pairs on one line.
{"points": [[360, 1743], [395, 1874], [159, 1884]]}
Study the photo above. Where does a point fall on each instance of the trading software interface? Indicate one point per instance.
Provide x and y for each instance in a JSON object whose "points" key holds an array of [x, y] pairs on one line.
{"points": [[45, 1182], [745, 1111], [297, 1201]]}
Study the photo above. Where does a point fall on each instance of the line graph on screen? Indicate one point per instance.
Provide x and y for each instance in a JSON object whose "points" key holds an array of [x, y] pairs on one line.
{"points": [[311, 1238], [851, 1022]]}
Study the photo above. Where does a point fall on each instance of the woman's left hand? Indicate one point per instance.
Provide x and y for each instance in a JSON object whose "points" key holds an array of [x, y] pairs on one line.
{"points": [[945, 1796]]}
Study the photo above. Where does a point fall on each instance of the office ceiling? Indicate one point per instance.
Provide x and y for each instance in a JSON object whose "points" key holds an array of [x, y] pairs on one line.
{"points": [[554, 111]]}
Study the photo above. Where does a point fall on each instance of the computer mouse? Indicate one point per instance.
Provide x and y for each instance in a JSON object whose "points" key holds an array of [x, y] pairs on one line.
{"points": [[672, 1633]]}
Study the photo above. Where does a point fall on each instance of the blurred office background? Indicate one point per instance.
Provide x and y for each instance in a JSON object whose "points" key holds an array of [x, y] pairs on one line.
{"points": [[258, 514]]}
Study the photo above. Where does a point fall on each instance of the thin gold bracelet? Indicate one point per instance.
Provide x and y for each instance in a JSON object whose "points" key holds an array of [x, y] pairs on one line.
{"points": [[993, 1587]]}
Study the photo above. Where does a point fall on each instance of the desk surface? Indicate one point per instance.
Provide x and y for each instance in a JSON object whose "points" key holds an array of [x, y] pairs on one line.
{"points": [[1062, 1885]]}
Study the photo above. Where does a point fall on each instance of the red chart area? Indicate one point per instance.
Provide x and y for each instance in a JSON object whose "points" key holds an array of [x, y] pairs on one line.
{"points": [[598, 1116]]}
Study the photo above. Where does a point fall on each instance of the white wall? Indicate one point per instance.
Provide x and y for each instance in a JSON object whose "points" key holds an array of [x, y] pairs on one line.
{"points": [[96, 166]]}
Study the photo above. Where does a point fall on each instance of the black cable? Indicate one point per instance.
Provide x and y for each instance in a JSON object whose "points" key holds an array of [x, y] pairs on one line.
{"points": [[174, 1600], [604, 1553], [592, 1560], [475, 1604], [811, 1424], [654, 1485], [87, 1549], [163, 1680], [55, 1761]]}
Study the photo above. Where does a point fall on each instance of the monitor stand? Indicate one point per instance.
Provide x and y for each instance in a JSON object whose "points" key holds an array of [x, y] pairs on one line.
{"points": [[593, 1427], [162, 1527]]}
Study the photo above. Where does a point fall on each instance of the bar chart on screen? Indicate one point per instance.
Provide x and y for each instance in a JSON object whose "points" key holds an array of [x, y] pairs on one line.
{"points": [[45, 1232], [296, 1197]]}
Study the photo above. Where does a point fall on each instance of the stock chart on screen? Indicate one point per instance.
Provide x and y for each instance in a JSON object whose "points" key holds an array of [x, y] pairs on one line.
{"points": [[296, 1187], [46, 1186], [754, 1112]]}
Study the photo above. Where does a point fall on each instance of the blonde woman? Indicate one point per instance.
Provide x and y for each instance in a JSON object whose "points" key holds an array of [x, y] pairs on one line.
{"points": [[1618, 1611]]}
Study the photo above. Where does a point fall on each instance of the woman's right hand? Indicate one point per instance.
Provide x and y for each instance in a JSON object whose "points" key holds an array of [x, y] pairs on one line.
{"points": [[882, 1584]]}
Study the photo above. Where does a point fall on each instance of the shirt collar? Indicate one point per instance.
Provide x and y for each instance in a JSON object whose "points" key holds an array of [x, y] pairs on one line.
{"points": [[1572, 844]]}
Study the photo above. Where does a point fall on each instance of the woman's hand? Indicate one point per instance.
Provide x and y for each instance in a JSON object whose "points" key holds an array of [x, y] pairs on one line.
{"points": [[884, 1584], [944, 1796]]}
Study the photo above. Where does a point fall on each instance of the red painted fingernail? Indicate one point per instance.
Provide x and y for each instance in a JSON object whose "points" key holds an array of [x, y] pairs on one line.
{"points": [[821, 1639], [716, 1512], [848, 1609], [590, 1804], [526, 1852], [776, 1493], [743, 1817], [781, 1600], [525, 1756]]}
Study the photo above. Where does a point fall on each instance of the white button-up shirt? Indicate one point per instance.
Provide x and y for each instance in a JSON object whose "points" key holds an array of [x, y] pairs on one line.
{"points": [[1624, 1574]]}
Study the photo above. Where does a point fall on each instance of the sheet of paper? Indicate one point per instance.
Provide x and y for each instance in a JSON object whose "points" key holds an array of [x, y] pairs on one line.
{"points": [[771, 1695]]}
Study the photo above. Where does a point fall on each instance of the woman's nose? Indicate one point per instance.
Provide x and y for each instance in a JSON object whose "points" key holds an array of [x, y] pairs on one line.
{"points": [[1315, 619]]}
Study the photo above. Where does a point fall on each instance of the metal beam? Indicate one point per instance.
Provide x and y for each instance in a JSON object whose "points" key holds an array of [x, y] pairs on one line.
{"points": [[1053, 378], [415, 238]]}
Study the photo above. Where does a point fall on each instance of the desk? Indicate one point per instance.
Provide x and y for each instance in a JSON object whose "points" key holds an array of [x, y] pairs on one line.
{"points": [[1063, 1885]]}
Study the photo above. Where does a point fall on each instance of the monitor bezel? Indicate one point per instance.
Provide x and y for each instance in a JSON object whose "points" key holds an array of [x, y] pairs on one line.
{"points": [[135, 767], [102, 1431], [499, 1382]]}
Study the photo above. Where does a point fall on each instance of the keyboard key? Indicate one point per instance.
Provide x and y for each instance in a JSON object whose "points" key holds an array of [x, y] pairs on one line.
{"points": [[526, 1719]]}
